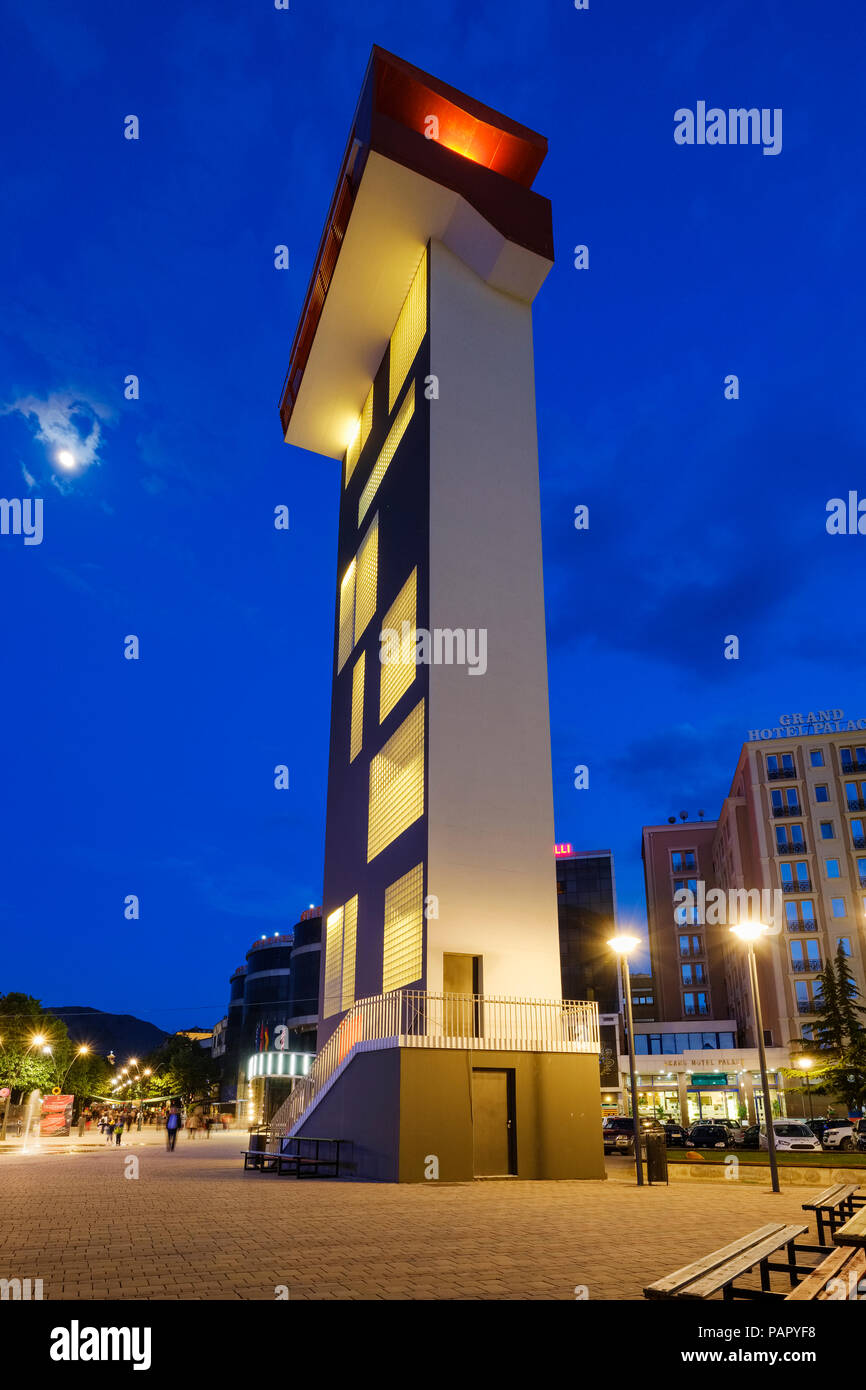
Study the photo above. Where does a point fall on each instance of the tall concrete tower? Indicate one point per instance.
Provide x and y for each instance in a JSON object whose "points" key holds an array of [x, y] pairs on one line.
{"points": [[413, 365]]}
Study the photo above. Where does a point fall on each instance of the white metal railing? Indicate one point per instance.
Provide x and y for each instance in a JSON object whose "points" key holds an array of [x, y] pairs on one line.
{"points": [[414, 1018]]}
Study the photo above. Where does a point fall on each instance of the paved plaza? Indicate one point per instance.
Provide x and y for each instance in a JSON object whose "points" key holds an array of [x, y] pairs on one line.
{"points": [[193, 1225]]}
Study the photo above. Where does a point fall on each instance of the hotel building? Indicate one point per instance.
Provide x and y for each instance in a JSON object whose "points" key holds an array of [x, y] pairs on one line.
{"points": [[413, 367], [789, 845]]}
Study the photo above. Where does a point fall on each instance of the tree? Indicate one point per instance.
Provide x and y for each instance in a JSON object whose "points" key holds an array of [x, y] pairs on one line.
{"points": [[181, 1067], [28, 1064], [840, 1035]]}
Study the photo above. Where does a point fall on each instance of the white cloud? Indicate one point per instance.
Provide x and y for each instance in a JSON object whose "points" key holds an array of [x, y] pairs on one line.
{"points": [[55, 420]]}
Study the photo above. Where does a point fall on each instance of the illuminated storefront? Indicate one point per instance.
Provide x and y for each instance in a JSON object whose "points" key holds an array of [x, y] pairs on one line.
{"points": [[270, 1077], [709, 1086]]}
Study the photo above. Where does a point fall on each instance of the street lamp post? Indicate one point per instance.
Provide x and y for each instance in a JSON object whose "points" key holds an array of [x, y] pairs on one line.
{"points": [[623, 945], [750, 932], [806, 1063]]}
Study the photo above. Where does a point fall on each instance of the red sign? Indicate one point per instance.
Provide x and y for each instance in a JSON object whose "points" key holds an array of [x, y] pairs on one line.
{"points": [[56, 1115], [562, 850]]}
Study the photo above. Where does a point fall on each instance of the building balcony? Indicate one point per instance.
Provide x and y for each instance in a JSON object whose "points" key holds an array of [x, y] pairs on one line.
{"points": [[791, 849], [858, 841], [807, 1006], [697, 1013], [781, 773], [854, 769], [415, 1018], [808, 967], [787, 811], [807, 925], [857, 805], [802, 885]]}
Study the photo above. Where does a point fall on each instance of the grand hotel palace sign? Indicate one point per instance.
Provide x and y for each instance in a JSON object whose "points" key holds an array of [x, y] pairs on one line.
{"points": [[822, 721]]}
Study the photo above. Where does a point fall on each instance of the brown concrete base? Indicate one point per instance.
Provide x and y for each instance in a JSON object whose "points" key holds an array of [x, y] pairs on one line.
{"points": [[408, 1114], [789, 1175]]}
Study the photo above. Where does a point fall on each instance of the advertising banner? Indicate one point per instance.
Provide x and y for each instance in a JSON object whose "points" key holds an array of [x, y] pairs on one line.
{"points": [[56, 1115]]}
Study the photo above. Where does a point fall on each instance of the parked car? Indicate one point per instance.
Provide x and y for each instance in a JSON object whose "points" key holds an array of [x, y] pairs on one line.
{"points": [[791, 1135], [819, 1127], [675, 1135], [839, 1135], [860, 1135], [706, 1135], [751, 1136], [617, 1132], [734, 1128]]}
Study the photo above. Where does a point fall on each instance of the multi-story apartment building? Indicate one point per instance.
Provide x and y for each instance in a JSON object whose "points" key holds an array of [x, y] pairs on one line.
{"points": [[586, 899], [687, 956], [794, 826]]}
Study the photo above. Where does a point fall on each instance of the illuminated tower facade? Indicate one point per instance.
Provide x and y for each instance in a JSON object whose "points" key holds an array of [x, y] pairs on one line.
{"points": [[413, 365]]}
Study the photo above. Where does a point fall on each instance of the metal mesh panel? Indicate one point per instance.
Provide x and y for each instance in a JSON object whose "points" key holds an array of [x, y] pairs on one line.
{"points": [[397, 783], [333, 963], [398, 661]]}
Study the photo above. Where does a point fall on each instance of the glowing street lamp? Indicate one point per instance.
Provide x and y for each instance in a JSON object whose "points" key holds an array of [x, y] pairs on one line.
{"points": [[624, 945], [807, 1063], [749, 933]]}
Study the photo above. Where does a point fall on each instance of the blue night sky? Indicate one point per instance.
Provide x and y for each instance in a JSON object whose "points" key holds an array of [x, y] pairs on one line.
{"points": [[707, 516]]}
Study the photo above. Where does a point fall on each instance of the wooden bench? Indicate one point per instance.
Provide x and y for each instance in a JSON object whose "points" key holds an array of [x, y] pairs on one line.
{"points": [[262, 1160], [836, 1278], [834, 1205], [293, 1161], [853, 1232], [717, 1272]]}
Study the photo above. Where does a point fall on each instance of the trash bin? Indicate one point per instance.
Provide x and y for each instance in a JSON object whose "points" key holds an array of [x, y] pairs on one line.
{"points": [[258, 1143], [656, 1158]]}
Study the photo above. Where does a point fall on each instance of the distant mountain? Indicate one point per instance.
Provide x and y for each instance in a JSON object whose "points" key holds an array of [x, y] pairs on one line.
{"points": [[123, 1034]]}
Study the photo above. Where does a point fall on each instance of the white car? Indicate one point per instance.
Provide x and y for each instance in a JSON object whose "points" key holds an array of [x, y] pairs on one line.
{"points": [[790, 1135], [839, 1134]]}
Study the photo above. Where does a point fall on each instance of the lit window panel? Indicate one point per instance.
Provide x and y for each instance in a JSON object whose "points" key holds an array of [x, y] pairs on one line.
{"points": [[397, 653], [408, 332], [397, 784], [389, 449], [403, 953]]}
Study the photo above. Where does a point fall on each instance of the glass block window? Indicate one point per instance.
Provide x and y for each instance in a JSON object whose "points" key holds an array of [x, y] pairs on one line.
{"points": [[403, 960], [341, 931], [397, 783], [389, 449], [408, 332], [358, 594], [359, 439], [397, 653], [356, 732], [346, 637]]}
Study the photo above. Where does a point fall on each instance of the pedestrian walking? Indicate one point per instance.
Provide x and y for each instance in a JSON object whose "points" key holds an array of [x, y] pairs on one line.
{"points": [[172, 1125], [81, 1125], [118, 1130]]}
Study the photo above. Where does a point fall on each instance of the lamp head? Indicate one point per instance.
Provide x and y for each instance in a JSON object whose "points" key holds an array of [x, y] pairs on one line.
{"points": [[623, 944], [749, 931]]}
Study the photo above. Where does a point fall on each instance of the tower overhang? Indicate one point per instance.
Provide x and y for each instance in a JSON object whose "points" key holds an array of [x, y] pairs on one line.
{"points": [[423, 162]]}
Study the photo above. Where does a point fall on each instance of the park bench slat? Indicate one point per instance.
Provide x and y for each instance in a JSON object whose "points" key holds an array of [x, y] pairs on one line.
{"points": [[815, 1283], [856, 1266], [854, 1230], [831, 1196], [667, 1287], [727, 1273]]}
